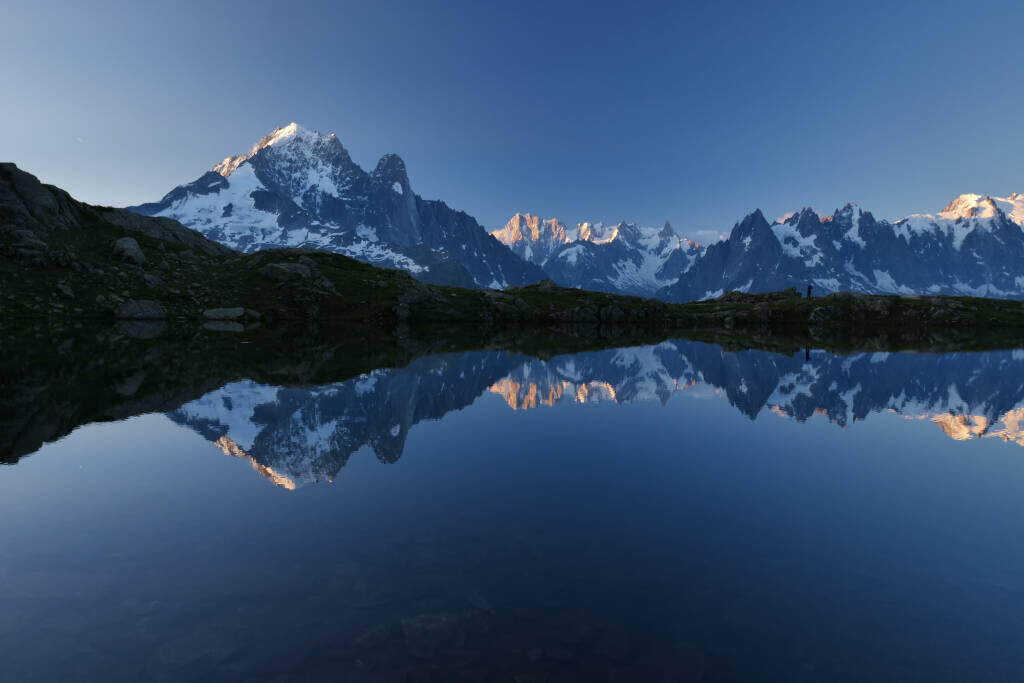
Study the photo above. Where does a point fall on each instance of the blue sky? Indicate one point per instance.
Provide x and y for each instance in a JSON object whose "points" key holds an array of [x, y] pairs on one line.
{"points": [[580, 110]]}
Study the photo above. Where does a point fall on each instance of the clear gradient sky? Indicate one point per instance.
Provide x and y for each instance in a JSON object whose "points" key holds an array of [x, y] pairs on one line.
{"points": [[580, 110]]}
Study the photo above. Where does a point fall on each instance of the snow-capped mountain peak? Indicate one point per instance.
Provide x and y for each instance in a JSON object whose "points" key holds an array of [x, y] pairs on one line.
{"points": [[297, 187], [533, 238], [985, 206], [970, 206], [292, 131], [598, 233], [533, 228]]}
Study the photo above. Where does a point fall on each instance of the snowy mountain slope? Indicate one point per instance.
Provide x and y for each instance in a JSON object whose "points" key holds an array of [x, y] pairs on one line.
{"points": [[972, 247], [622, 258], [299, 188], [979, 206]]}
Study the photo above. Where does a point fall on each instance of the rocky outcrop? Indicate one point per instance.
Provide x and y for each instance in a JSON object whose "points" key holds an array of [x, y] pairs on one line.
{"points": [[29, 212], [164, 229], [35, 216], [302, 270]]}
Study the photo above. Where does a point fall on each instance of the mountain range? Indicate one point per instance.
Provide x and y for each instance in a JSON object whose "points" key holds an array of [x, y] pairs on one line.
{"points": [[973, 247], [299, 188]]}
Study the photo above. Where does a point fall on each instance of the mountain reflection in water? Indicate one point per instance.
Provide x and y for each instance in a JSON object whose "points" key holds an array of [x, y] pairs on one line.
{"points": [[670, 512], [295, 436]]}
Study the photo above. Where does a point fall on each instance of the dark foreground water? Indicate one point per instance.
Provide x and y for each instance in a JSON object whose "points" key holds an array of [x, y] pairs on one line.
{"points": [[666, 513]]}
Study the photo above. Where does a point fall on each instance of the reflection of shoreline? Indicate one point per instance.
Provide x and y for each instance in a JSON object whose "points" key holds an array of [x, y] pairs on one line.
{"points": [[298, 435]]}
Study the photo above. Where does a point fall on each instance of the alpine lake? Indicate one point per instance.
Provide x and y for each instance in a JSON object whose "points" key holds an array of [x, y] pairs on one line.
{"points": [[623, 510]]}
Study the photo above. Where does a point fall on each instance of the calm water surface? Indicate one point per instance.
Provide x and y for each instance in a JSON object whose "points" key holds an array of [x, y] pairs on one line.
{"points": [[666, 513]]}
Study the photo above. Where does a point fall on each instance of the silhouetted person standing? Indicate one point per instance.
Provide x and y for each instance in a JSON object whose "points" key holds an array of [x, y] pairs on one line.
{"points": [[809, 287]]}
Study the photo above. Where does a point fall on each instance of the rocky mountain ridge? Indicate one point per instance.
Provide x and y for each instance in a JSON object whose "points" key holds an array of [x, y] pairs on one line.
{"points": [[974, 247]]}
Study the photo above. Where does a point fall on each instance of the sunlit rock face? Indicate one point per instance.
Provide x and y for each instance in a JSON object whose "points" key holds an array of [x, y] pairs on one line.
{"points": [[975, 247], [622, 259], [533, 238], [293, 436], [299, 188]]}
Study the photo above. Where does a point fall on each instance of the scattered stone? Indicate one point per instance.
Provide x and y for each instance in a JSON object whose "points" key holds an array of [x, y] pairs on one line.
{"points": [[65, 290], [127, 249], [152, 280], [255, 262]]}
